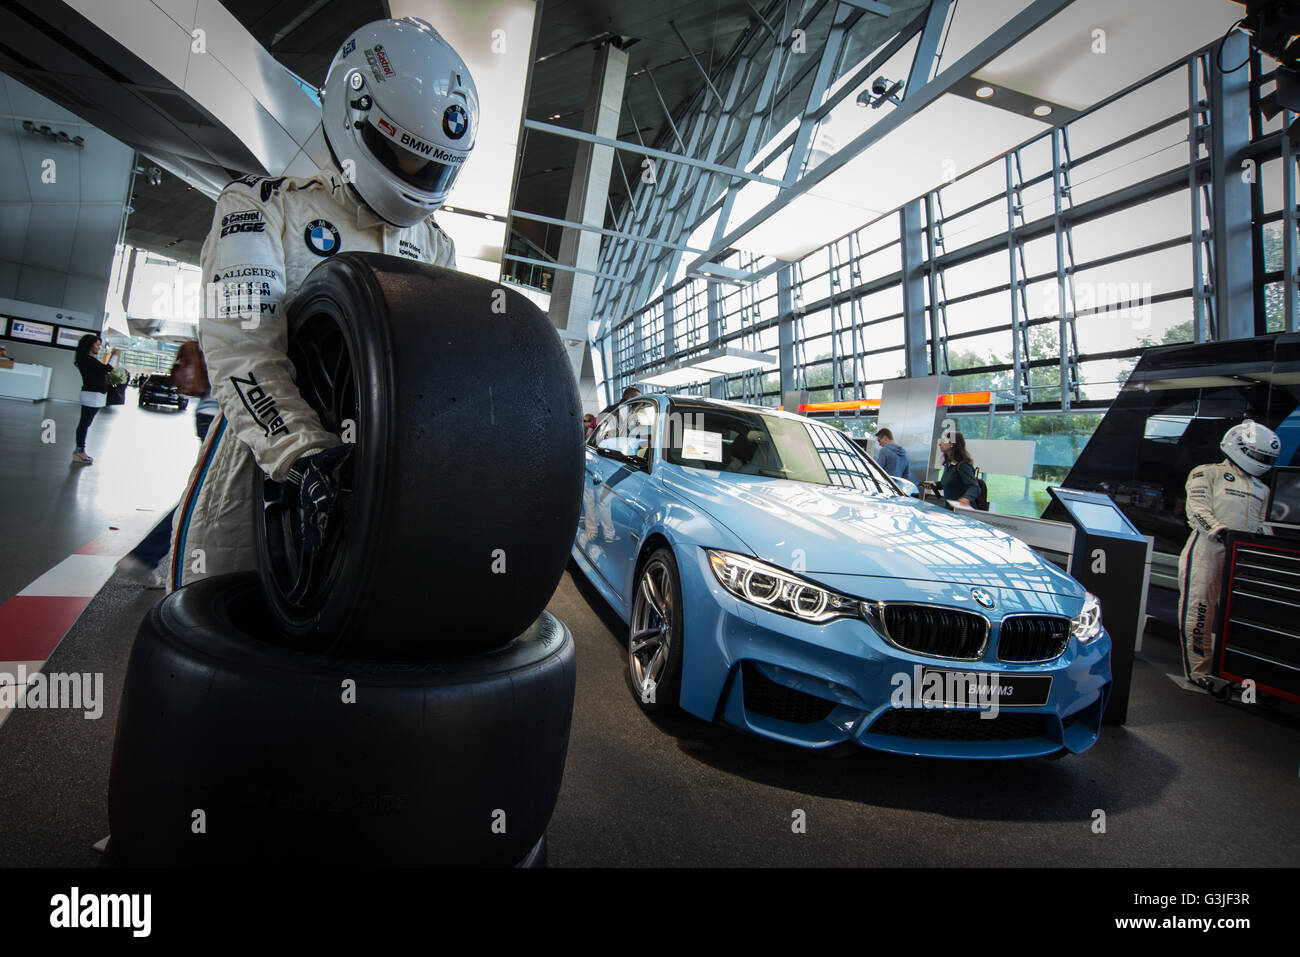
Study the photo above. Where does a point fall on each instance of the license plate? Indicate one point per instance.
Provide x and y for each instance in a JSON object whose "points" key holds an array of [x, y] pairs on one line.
{"points": [[976, 688]]}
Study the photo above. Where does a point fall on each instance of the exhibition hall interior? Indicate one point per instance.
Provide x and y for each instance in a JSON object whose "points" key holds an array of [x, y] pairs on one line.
{"points": [[583, 434]]}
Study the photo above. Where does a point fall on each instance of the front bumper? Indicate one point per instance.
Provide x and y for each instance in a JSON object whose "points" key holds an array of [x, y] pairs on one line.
{"points": [[817, 686]]}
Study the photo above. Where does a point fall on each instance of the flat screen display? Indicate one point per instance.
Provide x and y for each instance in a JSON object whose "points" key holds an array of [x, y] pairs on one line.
{"points": [[1284, 500], [1096, 512], [1101, 518]]}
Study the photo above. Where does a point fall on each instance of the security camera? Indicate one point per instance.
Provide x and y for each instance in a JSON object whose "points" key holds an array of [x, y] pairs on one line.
{"points": [[884, 91]]}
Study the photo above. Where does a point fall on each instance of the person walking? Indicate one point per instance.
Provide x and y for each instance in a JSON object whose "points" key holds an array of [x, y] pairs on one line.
{"points": [[958, 482], [94, 390], [892, 457]]}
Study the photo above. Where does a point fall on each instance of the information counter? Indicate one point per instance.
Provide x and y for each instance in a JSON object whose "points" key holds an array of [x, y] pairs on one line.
{"points": [[26, 381]]}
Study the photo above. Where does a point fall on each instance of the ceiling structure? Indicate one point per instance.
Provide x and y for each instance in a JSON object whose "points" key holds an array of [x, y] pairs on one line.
{"points": [[60, 208], [303, 35], [571, 31]]}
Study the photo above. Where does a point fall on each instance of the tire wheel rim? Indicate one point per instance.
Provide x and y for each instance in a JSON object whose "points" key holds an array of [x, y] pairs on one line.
{"points": [[326, 379], [650, 641]]}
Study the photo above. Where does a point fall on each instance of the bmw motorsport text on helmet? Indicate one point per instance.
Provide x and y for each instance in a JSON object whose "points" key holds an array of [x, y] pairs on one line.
{"points": [[401, 106], [1251, 446]]}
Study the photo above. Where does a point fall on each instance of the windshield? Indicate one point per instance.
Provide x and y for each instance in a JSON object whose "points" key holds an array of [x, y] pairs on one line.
{"points": [[751, 443]]}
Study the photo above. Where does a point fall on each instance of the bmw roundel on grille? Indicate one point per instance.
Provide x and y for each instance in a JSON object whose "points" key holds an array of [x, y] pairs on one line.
{"points": [[322, 237], [982, 598], [455, 121]]}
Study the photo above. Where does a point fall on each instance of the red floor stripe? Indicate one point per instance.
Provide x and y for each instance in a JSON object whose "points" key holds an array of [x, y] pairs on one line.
{"points": [[32, 625]]}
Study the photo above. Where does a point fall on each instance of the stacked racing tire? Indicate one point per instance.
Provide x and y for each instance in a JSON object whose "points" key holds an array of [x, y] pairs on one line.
{"points": [[399, 696]]}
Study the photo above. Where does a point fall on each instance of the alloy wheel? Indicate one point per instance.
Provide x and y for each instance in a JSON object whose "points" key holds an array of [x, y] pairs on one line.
{"points": [[652, 628]]}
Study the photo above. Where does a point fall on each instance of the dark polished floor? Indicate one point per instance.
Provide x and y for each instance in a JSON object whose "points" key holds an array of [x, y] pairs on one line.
{"points": [[1188, 782]]}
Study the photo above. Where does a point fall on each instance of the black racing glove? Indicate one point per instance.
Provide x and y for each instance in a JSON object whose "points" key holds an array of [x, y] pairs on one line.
{"points": [[314, 475]]}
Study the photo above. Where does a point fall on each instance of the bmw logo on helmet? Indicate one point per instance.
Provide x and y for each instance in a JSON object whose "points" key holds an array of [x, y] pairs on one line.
{"points": [[455, 121], [322, 237], [982, 598]]}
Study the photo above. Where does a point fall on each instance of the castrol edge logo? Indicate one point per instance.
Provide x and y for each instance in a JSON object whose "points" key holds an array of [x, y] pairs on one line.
{"points": [[410, 141]]}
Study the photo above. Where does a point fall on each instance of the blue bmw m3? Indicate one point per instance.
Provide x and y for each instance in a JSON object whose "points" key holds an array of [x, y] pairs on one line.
{"points": [[773, 578]]}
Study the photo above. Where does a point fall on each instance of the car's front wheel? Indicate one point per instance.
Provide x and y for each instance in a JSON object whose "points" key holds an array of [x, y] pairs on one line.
{"points": [[654, 644]]}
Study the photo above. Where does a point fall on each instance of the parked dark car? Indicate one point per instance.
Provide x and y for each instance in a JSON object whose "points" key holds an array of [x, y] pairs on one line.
{"points": [[160, 390]]}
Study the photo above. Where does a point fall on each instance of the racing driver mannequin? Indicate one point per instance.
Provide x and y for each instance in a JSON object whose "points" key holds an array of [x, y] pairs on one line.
{"points": [[400, 113], [1222, 497]]}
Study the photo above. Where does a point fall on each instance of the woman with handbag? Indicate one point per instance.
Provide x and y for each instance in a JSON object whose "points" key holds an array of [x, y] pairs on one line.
{"points": [[94, 390]]}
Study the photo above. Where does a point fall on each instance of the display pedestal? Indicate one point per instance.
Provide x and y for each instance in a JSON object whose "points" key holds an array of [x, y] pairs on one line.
{"points": [[1111, 559]]}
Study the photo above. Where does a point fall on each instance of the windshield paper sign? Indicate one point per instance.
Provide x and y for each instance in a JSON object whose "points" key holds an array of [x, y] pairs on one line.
{"points": [[698, 444]]}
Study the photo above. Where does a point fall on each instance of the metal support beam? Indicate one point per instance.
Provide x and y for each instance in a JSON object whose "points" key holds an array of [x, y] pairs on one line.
{"points": [[927, 48], [614, 233], [843, 17], [1020, 26], [912, 240], [1289, 267], [763, 20], [1063, 317], [558, 267], [938, 347], [572, 294], [691, 53], [668, 114], [650, 151], [718, 384], [1229, 136]]}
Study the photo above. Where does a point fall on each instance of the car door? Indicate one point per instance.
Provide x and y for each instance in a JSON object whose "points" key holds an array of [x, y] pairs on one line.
{"points": [[596, 468], [619, 462]]}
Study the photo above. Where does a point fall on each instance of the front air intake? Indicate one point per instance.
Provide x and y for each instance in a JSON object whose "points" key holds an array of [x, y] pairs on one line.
{"points": [[929, 630], [1032, 637]]}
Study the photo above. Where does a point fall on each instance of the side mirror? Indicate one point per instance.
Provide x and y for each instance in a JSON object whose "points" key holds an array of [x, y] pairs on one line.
{"points": [[907, 487]]}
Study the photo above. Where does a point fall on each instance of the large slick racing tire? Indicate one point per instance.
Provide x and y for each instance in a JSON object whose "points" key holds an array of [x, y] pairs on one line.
{"points": [[460, 497], [234, 751]]}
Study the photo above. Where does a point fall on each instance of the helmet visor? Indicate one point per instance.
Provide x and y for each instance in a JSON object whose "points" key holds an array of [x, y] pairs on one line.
{"points": [[1258, 455], [426, 175]]}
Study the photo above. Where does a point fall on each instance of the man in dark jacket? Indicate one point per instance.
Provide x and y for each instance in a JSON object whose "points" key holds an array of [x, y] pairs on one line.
{"points": [[892, 457]]}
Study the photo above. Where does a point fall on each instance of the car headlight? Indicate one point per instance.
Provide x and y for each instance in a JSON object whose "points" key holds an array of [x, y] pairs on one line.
{"points": [[1087, 625], [769, 587]]}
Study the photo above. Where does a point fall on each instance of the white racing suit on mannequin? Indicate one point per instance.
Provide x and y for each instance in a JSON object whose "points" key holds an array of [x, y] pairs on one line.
{"points": [[267, 235], [1219, 497]]}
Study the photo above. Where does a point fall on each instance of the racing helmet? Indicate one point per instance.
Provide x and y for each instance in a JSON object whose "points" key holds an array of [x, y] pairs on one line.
{"points": [[401, 107], [1251, 446]]}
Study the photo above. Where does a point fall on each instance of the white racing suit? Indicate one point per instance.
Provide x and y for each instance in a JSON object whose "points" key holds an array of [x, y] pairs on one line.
{"points": [[267, 235], [1219, 497]]}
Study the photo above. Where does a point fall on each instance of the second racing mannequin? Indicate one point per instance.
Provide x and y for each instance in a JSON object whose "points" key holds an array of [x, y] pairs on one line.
{"points": [[1222, 497]]}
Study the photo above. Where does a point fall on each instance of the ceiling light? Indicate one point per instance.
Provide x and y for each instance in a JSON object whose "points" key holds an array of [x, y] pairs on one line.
{"points": [[1042, 110], [719, 362], [985, 92]]}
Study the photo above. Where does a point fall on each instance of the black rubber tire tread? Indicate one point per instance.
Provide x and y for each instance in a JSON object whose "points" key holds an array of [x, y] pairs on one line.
{"points": [[215, 717], [468, 451]]}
